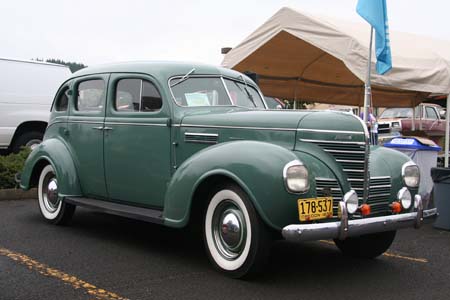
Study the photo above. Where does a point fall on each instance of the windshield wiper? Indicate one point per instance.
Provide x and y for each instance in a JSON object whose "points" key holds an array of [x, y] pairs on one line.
{"points": [[249, 96], [183, 78]]}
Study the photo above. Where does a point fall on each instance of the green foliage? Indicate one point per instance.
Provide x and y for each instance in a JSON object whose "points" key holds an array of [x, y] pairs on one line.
{"points": [[10, 165], [73, 66]]}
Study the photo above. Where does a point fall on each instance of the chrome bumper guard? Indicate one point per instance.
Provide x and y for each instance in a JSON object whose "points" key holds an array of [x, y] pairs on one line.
{"points": [[348, 228]]}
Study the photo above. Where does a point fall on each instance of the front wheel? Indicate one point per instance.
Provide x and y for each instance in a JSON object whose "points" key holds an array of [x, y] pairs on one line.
{"points": [[366, 246], [52, 208], [236, 239]]}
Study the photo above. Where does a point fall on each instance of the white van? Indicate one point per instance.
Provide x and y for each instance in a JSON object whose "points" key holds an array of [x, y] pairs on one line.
{"points": [[27, 89]]}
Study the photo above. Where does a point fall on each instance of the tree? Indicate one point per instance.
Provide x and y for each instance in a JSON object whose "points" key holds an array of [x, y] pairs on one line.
{"points": [[73, 66]]}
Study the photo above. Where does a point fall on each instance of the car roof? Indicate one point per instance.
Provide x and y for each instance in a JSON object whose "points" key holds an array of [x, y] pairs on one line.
{"points": [[162, 70]]}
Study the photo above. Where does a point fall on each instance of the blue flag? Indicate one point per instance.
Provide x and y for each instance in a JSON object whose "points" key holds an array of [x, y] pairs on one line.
{"points": [[374, 12]]}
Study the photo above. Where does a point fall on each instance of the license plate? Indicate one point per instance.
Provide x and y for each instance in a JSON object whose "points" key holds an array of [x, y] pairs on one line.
{"points": [[315, 208]]}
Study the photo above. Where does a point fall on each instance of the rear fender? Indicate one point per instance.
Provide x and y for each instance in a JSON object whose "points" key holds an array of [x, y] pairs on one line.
{"points": [[52, 151]]}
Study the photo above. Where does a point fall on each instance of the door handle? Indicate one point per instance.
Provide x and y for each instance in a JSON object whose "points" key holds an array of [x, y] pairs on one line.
{"points": [[98, 127], [107, 128]]}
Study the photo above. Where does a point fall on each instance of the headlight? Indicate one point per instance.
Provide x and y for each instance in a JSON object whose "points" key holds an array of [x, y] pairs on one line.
{"points": [[411, 174], [351, 201], [405, 197], [395, 124], [296, 177]]}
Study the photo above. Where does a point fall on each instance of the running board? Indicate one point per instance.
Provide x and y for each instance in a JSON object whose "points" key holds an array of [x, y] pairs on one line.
{"points": [[133, 212]]}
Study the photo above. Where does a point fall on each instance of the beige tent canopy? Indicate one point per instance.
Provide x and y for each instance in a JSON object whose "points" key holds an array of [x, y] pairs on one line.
{"points": [[299, 56]]}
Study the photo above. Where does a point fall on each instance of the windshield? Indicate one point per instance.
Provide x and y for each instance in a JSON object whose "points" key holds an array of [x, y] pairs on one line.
{"points": [[392, 113], [210, 91]]}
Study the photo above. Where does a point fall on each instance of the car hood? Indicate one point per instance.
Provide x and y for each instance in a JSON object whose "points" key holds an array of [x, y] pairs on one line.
{"points": [[283, 127]]}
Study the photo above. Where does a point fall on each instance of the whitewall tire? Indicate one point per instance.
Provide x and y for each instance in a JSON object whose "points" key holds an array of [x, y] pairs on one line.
{"points": [[235, 238], [52, 208]]}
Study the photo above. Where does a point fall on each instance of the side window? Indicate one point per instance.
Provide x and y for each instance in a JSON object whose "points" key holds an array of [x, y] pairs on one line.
{"points": [[63, 100], [134, 95], [431, 113], [90, 95]]}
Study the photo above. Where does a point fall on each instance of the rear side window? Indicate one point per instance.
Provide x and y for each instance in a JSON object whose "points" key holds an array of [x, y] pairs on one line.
{"points": [[137, 95], [90, 95], [63, 100]]}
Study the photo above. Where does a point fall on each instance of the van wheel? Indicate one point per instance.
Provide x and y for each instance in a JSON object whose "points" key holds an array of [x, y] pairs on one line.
{"points": [[28, 139], [366, 246], [236, 239], [52, 208]]}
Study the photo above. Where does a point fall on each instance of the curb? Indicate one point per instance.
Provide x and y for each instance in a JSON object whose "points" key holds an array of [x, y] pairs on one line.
{"points": [[17, 194]]}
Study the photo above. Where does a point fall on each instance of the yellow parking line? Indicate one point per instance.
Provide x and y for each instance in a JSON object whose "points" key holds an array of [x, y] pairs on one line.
{"points": [[421, 260], [390, 254], [75, 282]]}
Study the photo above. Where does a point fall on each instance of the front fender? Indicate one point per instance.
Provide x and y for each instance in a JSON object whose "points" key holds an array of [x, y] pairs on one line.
{"points": [[385, 161], [256, 166], [55, 152]]}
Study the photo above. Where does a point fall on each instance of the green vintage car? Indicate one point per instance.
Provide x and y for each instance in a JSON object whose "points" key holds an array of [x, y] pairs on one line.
{"points": [[180, 144]]}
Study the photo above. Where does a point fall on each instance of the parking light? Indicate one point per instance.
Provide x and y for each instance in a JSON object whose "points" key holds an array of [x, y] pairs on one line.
{"points": [[365, 209], [396, 207]]}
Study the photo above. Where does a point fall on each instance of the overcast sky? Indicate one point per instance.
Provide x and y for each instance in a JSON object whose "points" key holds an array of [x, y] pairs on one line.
{"points": [[101, 31]]}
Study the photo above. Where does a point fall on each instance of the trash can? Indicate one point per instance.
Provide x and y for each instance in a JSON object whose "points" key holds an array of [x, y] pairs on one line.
{"points": [[424, 153], [441, 193]]}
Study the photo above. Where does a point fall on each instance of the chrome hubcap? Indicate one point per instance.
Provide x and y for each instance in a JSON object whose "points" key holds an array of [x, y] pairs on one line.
{"points": [[229, 230], [50, 192]]}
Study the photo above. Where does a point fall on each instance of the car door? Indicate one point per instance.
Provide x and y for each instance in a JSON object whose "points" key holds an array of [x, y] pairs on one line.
{"points": [[85, 133], [137, 141], [433, 122]]}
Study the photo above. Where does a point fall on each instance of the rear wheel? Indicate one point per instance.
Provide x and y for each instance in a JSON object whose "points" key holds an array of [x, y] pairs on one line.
{"points": [[366, 246], [52, 208], [236, 239]]}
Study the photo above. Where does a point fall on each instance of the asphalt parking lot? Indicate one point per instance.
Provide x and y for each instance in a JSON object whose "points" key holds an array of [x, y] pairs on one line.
{"points": [[107, 257]]}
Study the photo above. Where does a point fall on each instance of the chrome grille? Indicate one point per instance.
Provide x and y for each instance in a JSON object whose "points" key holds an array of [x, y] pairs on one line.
{"points": [[379, 194], [329, 187], [384, 128], [352, 157]]}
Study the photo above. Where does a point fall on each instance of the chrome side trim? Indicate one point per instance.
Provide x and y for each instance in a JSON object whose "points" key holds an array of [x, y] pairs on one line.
{"points": [[201, 134], [329, 131], [235, 127], [348, 228], [84, 122], [333, 142], [136, 124], [202, 138]]}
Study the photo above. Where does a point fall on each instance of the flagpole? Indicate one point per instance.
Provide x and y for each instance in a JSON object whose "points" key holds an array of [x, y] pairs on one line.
{"points": [[367, 87]]}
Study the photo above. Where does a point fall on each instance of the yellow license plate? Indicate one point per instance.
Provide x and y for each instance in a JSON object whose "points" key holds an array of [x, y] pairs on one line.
{"points": [[315, 208]]}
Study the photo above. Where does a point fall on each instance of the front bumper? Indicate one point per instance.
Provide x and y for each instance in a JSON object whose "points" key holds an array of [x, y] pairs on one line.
{"points": [[348, 228]]}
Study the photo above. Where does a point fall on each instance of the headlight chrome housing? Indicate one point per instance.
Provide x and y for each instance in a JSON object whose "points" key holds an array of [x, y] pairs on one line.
{"points": [[351, 201], [411, 174], [296, 177], [404, 196]]}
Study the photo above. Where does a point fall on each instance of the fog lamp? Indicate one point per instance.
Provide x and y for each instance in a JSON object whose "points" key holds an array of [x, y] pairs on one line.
{"points": [[404, 196], [351, 201]]}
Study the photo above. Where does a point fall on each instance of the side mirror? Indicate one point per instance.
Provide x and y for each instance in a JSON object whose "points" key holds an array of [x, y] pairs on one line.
{"points": [[442, 114]]}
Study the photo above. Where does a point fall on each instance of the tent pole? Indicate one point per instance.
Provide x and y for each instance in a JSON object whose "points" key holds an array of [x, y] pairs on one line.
{"points": [[367, 88], [447, 118]]}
